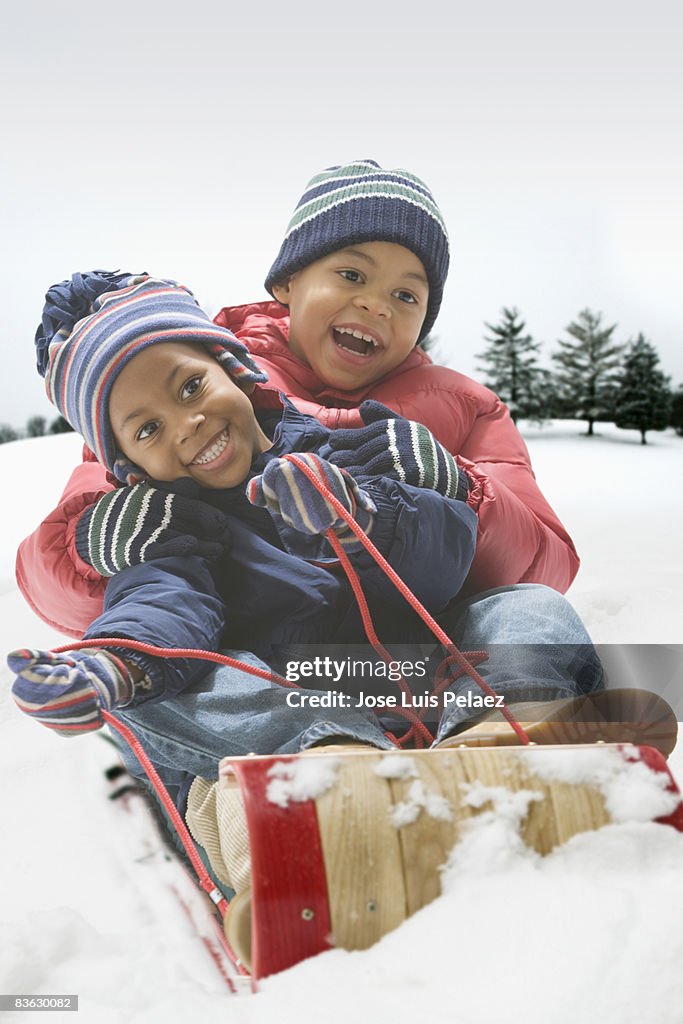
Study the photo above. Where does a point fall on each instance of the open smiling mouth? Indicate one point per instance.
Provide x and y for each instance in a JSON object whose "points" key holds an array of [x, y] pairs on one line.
{"points": [[213, 450], [354, 341]]}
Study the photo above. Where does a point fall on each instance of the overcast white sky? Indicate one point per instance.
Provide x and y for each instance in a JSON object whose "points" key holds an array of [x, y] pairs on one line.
{"points": [[177, 139]]}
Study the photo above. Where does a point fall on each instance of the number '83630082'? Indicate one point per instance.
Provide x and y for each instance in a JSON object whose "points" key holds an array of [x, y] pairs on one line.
{"points": [[38, 1002]]}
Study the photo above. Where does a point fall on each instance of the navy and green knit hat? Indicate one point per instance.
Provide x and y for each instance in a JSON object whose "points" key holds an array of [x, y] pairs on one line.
{"points": [[361, 202], [94, 324]]}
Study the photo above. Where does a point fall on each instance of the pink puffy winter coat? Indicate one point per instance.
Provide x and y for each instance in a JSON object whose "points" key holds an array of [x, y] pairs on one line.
{"points": [[520, 539]]}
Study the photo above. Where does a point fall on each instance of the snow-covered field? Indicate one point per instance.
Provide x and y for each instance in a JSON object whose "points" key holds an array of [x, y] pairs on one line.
{"points": [[593, 932]]}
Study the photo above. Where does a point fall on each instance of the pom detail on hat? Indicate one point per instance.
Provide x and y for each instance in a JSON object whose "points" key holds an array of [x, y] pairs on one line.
{"points": [[68, 302]]}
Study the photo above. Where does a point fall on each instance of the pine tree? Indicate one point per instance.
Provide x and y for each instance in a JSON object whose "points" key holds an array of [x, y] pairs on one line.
{"points": [[512, 369], [36, 426], [60, 426], [8, 433], [643, 399], [676, 416], [586, 380]]}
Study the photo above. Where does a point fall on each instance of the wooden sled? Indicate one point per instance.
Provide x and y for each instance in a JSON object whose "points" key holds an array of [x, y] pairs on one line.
{"points": [[346, 867]]}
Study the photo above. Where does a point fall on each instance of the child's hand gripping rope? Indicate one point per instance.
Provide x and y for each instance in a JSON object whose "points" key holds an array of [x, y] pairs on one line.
{"points": [[390, 445], [67, 692], [288, 494], [138, 523]]}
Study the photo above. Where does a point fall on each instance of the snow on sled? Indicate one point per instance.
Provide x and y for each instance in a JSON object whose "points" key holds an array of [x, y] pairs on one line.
{"points": [[344, 845]]}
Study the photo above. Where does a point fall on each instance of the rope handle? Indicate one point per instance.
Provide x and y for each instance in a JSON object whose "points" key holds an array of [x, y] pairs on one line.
{"points": [[418, 729], [454, 653]]}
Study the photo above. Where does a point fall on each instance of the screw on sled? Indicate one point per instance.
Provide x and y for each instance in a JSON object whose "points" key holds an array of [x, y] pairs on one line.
{"points": [[343, 850]]}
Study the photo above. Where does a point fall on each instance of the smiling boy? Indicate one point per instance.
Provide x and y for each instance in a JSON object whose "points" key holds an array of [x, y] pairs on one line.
{"points": [[177, 413], [357, 286], [173, 405], [356, 314]]}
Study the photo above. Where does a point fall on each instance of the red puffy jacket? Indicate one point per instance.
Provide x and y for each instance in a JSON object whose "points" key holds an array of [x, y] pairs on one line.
{"points": [[520, 539]]}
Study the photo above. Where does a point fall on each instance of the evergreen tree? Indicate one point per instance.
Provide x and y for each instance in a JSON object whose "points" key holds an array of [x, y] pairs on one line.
{"points": [[643, 399], [7, 433], [60, 426], [586, 380], [676, 416], [512, 369], [36, 426]]}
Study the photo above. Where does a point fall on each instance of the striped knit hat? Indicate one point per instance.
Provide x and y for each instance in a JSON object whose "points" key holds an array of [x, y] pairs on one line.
{"points": [[358, 203], [94, 324]]}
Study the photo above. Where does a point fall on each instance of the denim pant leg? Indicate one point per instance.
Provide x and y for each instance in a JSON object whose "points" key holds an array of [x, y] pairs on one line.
{"points": [[537, 645], [230, 712]]}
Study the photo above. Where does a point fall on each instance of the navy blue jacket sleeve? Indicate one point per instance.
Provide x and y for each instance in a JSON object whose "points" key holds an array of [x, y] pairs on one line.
{"points": [[168, 602], [427, 539]]}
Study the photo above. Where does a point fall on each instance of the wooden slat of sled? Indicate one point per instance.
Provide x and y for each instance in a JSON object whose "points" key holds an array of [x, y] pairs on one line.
{"points": [[378, 874], [338, 871], [562, 811], [362, 854]]}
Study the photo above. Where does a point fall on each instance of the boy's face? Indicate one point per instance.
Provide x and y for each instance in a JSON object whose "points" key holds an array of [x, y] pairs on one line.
{"points": [[377, 290], [176, 413]]}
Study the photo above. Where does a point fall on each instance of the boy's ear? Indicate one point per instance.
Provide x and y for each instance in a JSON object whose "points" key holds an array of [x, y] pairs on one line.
{"points": [[281, 291]]}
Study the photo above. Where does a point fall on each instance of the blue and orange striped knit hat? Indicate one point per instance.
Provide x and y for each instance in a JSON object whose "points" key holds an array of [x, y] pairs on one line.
{"points": [[361, 202], [94, 324]]}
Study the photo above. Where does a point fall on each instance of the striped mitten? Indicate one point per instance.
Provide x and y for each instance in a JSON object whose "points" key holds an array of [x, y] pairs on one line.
{"points": [[67, 692], [288, 494], [130, 525], [390, 445]]}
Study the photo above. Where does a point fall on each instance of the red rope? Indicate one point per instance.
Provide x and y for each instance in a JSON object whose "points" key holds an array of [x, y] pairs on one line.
{"points": [[197, 863], [418, 728], [454, 654], [178, 652]]}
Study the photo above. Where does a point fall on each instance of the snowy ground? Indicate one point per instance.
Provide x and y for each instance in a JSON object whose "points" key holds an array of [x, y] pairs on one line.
{"points": [[593, 932]]}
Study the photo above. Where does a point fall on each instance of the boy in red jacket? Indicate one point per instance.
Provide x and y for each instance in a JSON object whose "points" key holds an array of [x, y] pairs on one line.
{"points": [[362, 270], [359, 281], [138, 368]]}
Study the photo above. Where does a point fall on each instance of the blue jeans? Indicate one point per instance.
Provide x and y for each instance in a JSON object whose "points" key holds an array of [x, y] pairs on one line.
{"points": [[538, 650]]}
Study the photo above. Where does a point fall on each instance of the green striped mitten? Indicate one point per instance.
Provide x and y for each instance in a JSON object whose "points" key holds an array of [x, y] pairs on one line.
{"points": [[390, 445], [136, 524]]}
